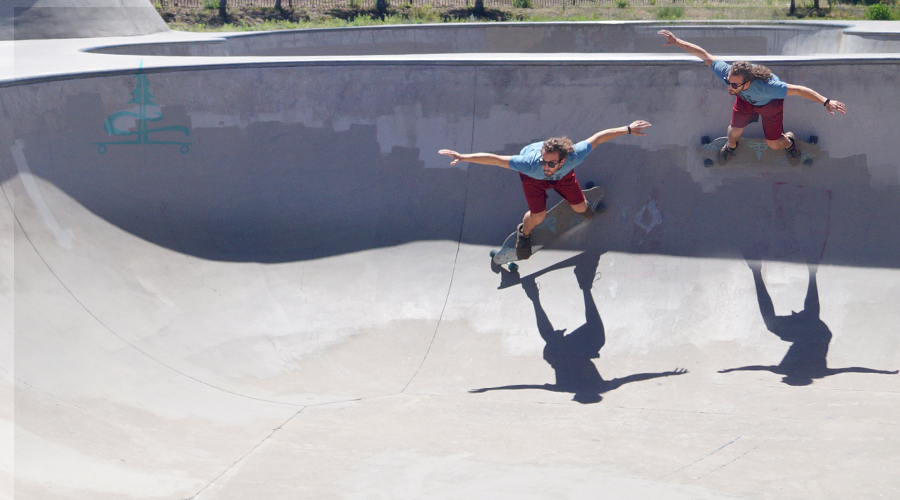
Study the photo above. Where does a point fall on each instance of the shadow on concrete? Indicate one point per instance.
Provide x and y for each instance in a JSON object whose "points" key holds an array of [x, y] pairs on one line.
{"points": [[571, 355], [252, 188], [809, 336]]}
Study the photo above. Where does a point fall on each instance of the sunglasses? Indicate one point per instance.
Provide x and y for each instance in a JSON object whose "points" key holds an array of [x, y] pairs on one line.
{"points": [[735, 86], [551, 164]]}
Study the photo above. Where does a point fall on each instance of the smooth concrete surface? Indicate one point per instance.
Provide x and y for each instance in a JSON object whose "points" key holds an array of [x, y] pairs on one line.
{"points": [[52, 19], [293, 298], [777, 38]]}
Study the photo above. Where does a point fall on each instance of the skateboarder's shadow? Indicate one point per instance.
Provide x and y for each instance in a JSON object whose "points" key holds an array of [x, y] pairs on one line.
{"points": [[571, 355], [809, 336]]}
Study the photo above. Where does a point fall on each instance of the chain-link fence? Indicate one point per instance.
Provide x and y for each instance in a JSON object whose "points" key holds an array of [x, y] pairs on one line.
{"points": [[506, 4]]}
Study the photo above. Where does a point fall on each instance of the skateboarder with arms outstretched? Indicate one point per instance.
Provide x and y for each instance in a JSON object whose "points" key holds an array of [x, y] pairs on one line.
{"points": [[758, 93], [548, 165]]}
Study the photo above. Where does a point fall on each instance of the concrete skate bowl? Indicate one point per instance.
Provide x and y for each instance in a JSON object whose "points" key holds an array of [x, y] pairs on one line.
{"points": [[48, 19], [531, 38], [256, 278]]}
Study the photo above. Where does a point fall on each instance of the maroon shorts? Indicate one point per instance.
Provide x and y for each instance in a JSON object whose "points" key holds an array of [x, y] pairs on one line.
{"points": [[743, 113], [536, 191]]}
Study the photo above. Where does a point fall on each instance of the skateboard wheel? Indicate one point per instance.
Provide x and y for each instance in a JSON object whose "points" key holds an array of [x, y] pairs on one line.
{"points": [[493, 253], [513, 267], [705, 140], [707, 163], [589, 185]]}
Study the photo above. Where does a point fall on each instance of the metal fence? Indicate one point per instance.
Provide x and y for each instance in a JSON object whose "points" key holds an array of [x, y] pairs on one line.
{"points": [[325, 4]]}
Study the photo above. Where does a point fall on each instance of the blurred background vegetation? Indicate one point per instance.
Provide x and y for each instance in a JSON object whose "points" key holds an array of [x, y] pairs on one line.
{"points": [[265, 15]]}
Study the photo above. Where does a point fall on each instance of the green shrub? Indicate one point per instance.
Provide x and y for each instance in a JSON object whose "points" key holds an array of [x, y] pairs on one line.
{"points": [[522, 4], [879, 12], [211, 4], [669, 12], [424, 13], [621, 4]]}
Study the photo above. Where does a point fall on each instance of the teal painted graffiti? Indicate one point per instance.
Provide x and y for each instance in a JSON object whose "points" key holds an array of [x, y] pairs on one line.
{"points": [[759, 148], [143, 98]]}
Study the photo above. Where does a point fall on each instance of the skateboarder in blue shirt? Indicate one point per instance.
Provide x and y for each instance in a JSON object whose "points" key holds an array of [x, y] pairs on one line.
{"points": [[548, 165], [758, 93]]}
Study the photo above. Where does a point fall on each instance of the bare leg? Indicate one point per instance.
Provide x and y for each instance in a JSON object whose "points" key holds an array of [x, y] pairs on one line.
{"points": [[733, 135], [531, 221], [781, 143]]}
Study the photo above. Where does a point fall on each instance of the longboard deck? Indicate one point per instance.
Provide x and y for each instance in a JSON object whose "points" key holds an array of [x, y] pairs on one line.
{"points": [[560, 219], [754, 152]]}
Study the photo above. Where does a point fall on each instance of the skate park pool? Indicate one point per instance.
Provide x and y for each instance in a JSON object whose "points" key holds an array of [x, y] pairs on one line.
{"points": [[585, 37], [247, 273]]}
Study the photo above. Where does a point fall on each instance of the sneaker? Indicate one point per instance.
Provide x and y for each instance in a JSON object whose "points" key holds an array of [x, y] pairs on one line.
{"points": [[793, 153], [589, 211], [726, 153], [593, 210], [523, 243]]}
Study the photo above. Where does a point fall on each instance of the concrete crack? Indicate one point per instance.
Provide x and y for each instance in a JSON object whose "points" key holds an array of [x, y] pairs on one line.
{"points": [[245, 455]]}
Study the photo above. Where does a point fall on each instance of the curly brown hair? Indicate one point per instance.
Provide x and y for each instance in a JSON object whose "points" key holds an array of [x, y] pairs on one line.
{"points": [[749, 72], [561, 145]]}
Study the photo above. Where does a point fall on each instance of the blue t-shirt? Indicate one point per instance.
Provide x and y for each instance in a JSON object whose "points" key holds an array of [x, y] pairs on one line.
{"points": [[759, 92], [528, 161]]}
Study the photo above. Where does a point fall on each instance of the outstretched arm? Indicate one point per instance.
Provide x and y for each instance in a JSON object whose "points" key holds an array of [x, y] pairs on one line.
{"points": [[752, 368], [859, 369], [635, 128], [689, 47], [807, 93], [480, 158], [639, 377]]}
